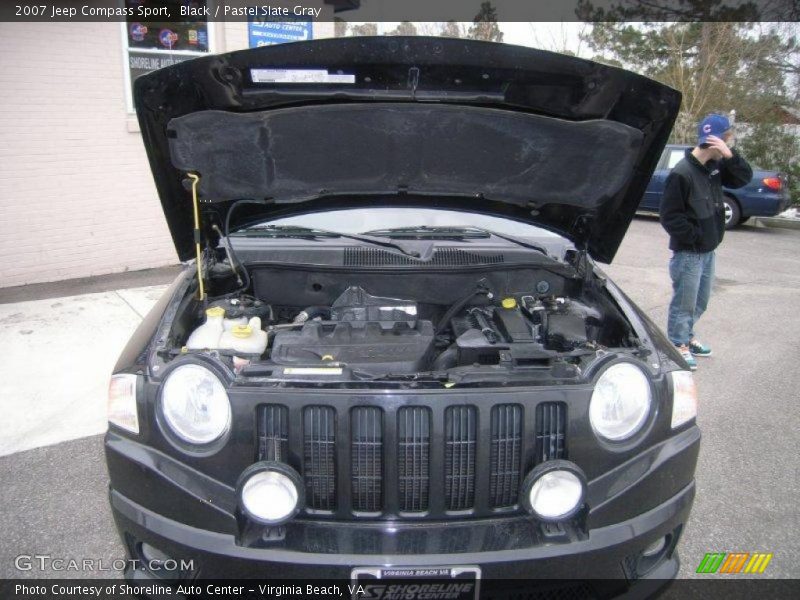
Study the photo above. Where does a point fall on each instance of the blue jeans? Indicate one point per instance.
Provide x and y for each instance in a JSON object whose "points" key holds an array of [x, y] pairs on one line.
{"points": [[692, 274]]}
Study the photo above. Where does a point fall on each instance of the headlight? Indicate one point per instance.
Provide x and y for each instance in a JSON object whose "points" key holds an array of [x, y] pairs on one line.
{"points": [[620, 402], [194, 405], [684, 398], [122, 410], [270, 493], [554, 490]]}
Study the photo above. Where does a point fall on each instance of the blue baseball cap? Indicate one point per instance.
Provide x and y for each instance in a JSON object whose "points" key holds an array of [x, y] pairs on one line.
{"points": [[713, 124]]}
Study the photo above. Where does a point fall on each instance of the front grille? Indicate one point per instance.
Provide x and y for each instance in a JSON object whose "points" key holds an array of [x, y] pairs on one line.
{"points": [[393, 460], [366, 435], [460, 442], [506, 454], [319, 457], [551, 426]]}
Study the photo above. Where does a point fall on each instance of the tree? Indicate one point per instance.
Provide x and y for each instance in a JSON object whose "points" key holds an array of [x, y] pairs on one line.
{"points": [[452, 29], [340, 27], [685, 10], [771, 146], [485, 25], [718, 67], [365, 29], [404, 28], [546, 36]]}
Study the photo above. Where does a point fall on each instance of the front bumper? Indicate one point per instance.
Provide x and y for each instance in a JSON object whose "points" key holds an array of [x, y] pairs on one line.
{"points": [[603, 560], [606, 553], [597, 555]]}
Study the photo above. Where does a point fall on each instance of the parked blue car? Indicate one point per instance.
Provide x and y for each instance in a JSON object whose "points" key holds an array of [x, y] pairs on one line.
{"points": [[766, 195]]}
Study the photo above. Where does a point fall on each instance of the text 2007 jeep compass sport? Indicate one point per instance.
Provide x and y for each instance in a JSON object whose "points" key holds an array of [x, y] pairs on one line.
{"points": [[391, 354]]}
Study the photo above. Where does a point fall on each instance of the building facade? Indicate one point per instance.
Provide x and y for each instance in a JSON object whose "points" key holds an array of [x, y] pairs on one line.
{"points": [[77, 198]]}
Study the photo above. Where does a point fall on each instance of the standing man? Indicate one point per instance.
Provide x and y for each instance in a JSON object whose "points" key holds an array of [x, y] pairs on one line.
{"points": [[693, 214]]}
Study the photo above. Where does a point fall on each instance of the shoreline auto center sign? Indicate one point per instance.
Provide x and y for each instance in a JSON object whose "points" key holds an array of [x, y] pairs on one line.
{"points": [[142, 63], [263, 31], [151, 45]]}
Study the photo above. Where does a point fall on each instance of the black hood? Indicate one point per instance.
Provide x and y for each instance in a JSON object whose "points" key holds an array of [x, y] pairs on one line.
{"points": [[552, 140]]}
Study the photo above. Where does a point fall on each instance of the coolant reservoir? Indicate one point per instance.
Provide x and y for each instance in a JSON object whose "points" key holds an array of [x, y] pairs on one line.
{"points": [[247, 339], [207, 335], [228, 324]]}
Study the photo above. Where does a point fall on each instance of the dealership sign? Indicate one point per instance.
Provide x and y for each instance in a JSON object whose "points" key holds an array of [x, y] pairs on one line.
{"points": [[143, 62], [265, 32]]}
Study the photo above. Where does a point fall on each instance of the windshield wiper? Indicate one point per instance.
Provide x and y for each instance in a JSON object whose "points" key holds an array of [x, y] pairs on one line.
{"points": [[312, 233], [284, 231], [425, 232], [519, 242], [455, 232]]}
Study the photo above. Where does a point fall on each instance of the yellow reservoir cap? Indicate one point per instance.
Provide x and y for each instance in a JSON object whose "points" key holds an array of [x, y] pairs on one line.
{"points": [[242, 331], [215, 311], [509, 303]]}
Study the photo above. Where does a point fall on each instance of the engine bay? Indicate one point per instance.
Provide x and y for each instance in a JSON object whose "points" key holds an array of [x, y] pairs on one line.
{"points": [[322, 325]]}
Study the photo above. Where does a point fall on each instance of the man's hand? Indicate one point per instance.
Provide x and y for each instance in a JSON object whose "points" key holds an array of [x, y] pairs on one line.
{"points": [[720, 146]]}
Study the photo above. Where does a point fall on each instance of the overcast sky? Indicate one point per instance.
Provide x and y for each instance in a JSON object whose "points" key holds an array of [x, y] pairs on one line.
{"points": [[557, 37]]}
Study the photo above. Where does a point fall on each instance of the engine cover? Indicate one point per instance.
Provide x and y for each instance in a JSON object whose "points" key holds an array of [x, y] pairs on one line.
{"points": [[368, 333], [375, 347]]}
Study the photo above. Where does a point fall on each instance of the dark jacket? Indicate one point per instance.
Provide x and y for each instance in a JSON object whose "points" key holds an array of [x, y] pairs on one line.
{"points": [[691, 207]]}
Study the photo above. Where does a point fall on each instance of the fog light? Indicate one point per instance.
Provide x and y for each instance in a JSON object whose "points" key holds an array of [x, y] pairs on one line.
{"points": [[554, 491], [655, 547], [270, 492]]}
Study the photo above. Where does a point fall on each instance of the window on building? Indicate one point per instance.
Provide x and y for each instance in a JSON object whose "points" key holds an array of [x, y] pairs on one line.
{"points": [[151, 45]]}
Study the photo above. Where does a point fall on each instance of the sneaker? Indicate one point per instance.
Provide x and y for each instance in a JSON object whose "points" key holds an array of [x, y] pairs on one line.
{"points": [[697, 348], [687, 356]]}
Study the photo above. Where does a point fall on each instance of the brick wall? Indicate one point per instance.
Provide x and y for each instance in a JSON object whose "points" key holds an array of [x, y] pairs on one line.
{"points": [[76, 194]]}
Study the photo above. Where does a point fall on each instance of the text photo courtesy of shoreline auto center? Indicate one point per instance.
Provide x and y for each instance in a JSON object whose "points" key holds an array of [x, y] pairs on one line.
{"points": [[367, 299]]}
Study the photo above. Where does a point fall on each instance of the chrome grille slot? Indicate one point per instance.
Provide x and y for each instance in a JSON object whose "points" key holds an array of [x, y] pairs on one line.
{"points": [[460, 447], [414, 440], [366, 464], [319, 457], [273, 432], [551, 425], [506, 451]]}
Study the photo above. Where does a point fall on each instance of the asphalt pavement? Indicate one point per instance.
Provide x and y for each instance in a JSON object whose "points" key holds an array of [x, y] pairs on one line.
{"points": [[53, 499]]}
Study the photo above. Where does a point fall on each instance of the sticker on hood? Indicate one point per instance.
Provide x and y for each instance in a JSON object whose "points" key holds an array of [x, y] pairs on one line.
{"points": [[299, 76]]}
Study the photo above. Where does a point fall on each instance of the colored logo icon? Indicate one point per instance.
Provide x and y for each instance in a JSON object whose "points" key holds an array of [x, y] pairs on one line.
{"points": [[167, 37], [734, 562], [138, 31]]}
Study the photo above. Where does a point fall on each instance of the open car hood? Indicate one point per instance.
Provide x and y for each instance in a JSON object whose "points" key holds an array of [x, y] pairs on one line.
{"points": [[552, 140]]}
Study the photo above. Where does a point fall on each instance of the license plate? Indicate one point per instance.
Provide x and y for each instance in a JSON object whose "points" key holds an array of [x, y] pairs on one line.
{"points": [[415, 583]]}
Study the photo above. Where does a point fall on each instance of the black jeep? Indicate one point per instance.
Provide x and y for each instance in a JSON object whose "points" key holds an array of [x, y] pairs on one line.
{"points": [[391, 354]]}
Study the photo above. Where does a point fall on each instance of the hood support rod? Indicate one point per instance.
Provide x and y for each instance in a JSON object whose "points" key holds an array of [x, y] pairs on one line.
{"points": [[197, 237]]}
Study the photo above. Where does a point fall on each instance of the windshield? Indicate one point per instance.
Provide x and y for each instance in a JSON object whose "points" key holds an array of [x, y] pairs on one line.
{"points": [[365, 220]]}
